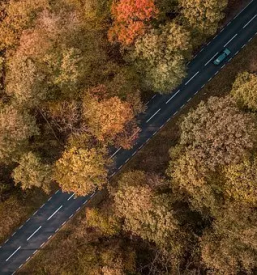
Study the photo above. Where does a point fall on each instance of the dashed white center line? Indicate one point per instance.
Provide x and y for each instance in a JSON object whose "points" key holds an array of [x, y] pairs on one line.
{"points": [[71, 196], [192, 77], [153, 115], [210, 59], [54, 212], [172, 97], [115, 153], [33, 233], [12, 254], [231, 39], [249, 21]]}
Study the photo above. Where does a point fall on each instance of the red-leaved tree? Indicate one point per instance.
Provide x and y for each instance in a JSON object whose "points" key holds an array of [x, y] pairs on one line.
{"points": [[131, 18]]}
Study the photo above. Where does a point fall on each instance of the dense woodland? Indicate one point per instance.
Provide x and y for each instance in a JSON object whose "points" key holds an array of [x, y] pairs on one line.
{"points": [[74, 76]]}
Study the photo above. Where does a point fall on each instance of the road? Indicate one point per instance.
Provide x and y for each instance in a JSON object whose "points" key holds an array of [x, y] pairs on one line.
{"points": [[46, 221]]}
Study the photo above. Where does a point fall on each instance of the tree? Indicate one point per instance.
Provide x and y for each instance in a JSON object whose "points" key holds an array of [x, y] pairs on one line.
{"points": [[106, 221], [162, 56], [16, 128], [32, 172], [217, 133], [229, 246], [203, 16], [17, 16], [147, 214], [241, 182], [107, 118], [81, 171], [244, 90], [130, 20]]}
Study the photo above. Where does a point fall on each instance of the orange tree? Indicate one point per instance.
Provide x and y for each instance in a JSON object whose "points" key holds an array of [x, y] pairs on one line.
{"points": [[130, 19]]}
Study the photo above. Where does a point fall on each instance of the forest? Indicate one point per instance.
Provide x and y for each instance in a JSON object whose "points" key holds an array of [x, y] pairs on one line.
{"points": [[74, 76]]}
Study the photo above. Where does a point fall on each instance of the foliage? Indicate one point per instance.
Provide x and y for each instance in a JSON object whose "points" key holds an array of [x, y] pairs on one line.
{"points": [[145, 213], [108, 117], [108, 224], [162, 55], [16, 128], [203, 16], [244, 90], [31, 172], [241, 182], [81, 171], [230, 246], [130, 20]]}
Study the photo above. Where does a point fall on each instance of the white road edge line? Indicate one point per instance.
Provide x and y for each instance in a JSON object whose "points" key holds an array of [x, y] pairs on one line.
{"points": [[115, 152], [211, 59], [71, 196], [231, 39], [192, 77], [153, 115], [57, 191], [249, 21], [242, 10], [54, 213], [33, 233], [12, 254], [172, 96], [42, 244]]}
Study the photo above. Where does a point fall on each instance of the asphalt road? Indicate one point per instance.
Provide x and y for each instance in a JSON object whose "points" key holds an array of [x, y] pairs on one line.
{"points": [[44, 223]]}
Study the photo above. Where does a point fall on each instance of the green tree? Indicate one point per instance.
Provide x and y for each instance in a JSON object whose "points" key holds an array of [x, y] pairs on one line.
{"points": [[162, 55], [230, 246], [81, 171], [203, 16], [16, 128], [32, 172], [244, 90]]}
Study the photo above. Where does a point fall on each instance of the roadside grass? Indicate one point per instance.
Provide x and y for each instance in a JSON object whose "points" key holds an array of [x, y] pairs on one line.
{"points": [[152, 158]]}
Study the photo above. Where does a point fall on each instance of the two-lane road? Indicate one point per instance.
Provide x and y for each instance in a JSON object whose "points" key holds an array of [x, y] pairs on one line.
{"points": [[45, 222]]}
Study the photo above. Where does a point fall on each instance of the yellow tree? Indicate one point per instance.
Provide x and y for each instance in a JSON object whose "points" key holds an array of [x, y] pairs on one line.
{"points": [[81, 171]]}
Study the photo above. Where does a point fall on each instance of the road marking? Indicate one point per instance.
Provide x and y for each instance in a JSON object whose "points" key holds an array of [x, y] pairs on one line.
{"points": [[201, 50], [115, 153], [189, 99], [92, 194], [228, 23], [168, 119], [243, 10], [230, 59], [50, 237], [203, 86], [6, 241], [192, 77], [27, 258], [153, 115], [63, 223], [231, 39], [243, 46], [153, 96], [250, 39], [216, 73], [249, 21], [119, 167], [78, 209], [112, 174], [141, 147], [223, 66], [221, 30], [127, 160], [12, 254], [147, 140], [134, 153], [21, 227], [58, 228], [54, 213], [49, 198], [71, 216], [209, 79], [155, 132], [13, 234], [36, 250], [211, 59], [236, 52], [85, 202], [57, 191], [42, 244], [33, 233], [42, 205], [20, 266], [35, 213], [172, 96], [27, 219], [71, 196], [175, 113], [182, 106]]}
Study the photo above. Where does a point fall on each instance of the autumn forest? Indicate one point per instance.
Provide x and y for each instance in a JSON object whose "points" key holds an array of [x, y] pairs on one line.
{"points": [[74, 77]]}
